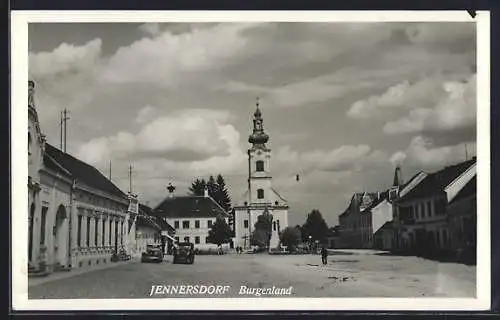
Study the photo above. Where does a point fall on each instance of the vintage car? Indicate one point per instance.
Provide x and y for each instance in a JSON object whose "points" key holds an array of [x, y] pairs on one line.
{"points": [[183, 252], [153, 253]]}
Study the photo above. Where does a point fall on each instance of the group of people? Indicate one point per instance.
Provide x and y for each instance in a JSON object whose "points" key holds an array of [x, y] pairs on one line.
{"points": [[239, 250]]}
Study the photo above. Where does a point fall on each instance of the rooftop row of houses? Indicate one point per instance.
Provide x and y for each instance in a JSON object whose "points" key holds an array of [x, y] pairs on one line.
{"points": [[431, 213]]}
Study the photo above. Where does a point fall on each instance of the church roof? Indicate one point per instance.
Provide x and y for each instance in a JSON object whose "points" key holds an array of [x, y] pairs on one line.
{"points": [[82, 171], [189, 207]]}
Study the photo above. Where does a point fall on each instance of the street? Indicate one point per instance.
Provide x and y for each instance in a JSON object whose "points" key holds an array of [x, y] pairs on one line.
{"points": [[347, 274]]}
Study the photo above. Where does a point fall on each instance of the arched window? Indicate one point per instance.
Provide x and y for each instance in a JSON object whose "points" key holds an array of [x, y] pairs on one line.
{"points": [[260, 193], [29, 144], [259, 165]]}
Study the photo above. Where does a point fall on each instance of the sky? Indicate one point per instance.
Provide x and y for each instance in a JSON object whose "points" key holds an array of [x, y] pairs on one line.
{"points": [[343, 103]]}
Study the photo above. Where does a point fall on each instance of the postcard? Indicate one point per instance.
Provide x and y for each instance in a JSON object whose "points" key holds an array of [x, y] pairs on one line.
{"points": [[250, 160]]}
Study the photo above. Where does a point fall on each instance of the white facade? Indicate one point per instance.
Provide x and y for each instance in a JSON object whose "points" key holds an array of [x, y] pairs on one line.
{"points": [[71, 224], [381, 214], [145, 235], [194, 230], [261, 196]]}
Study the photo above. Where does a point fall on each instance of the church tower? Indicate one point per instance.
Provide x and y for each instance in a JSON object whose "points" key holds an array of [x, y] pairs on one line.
{"points": [[260, 196], [259, 160]]}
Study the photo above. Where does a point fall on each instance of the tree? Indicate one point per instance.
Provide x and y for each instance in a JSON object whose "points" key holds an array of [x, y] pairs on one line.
{"points": [[198, 187], [259, 238], [212, 187], [290, 237], [222, 196], [262, 230], [217, 189], [220, 232], [315, 226]]}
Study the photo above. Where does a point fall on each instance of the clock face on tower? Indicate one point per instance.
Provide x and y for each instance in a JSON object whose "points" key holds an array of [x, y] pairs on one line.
{"points": [[258, 125]]}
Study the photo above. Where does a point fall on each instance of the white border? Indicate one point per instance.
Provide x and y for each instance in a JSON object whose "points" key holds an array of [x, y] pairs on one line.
{"points": [[19, 65]]}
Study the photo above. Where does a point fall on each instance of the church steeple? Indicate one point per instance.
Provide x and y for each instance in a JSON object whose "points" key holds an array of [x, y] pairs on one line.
{"points": [[398, 180], [258, 137]]}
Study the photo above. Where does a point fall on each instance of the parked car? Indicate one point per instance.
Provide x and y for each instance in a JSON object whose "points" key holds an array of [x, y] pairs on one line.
{"points": [[184, 252], [153, 253]]}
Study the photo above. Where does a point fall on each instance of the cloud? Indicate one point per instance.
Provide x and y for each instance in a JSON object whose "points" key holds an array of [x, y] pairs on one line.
{"points": [[191, 135], [456, 109], [153, 29], [146, 114], [398, 158], [65, 60], [167, 58], [422, 153], [452, 36], [404, 95], [342, 159], [329, 66]]}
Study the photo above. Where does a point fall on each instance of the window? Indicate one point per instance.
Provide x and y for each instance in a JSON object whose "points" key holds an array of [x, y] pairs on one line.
{"points": [[259, 165], [429, 204], [245, 224], [176, 239], [42, 225], [121, 232], [88, 232], [260, 193], [197, 240], [79, 232], [197, 224], [185, 224], [110, 226], [186, 239], [176, 224], [209, 223], [206, 240]]}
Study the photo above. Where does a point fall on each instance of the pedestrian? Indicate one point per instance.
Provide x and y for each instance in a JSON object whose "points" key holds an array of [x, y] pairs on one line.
{"points": [[324, 255]]}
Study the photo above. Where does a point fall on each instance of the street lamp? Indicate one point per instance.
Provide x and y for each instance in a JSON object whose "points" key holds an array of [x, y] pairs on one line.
{"points": [[310, 243]]}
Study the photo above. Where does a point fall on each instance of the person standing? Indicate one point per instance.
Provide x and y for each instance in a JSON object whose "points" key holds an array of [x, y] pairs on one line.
{"points": [[324, 255]]}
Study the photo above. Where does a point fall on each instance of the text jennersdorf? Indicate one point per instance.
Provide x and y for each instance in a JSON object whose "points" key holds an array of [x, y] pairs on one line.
{"points": [[188, 290], [265, 291]]}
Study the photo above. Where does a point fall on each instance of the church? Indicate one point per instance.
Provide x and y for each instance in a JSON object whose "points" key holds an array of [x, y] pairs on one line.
{"points": [[260, 196]]}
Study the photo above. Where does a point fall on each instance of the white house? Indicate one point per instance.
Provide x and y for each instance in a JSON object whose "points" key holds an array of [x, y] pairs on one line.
{"points": [[260, 195], [77, 217], [192, 217]]}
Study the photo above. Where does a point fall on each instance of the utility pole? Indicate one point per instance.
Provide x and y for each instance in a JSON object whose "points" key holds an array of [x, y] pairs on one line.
{"points": [[61, 125], [64, 121], [466, 153], [109, 170]]}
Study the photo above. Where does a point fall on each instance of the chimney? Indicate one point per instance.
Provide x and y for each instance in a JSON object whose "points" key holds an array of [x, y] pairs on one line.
{"points": [[205, 193], [171, 190]]}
